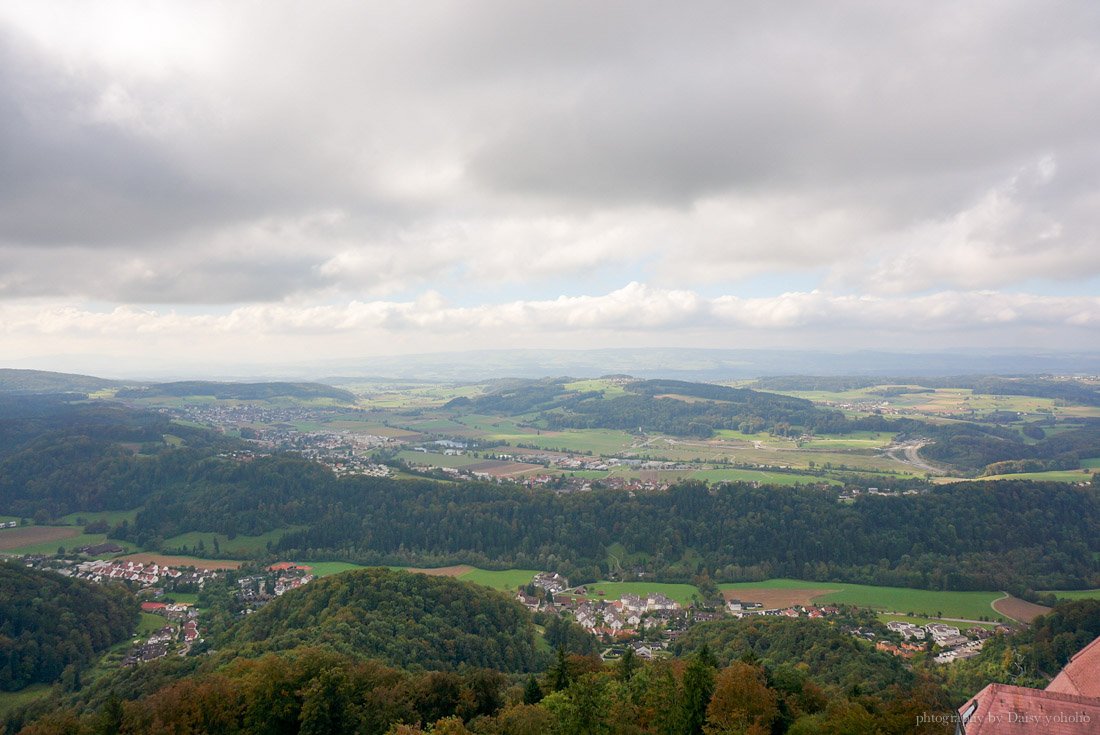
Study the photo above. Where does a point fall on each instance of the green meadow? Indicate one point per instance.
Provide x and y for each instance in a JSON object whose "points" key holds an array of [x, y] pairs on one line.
{"points": [[113, 517], [507, 579], [13, 700]]}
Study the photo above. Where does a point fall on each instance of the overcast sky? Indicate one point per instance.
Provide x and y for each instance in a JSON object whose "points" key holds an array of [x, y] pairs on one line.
{"points": [[215, 183]]}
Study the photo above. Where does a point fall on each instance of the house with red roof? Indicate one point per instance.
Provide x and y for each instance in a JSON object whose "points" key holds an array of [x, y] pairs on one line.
{"points": [[1070, 705]]}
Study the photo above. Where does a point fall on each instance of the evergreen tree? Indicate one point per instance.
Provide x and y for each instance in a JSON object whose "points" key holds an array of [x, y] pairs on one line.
{"points": [[698, 688], [532, 692]]}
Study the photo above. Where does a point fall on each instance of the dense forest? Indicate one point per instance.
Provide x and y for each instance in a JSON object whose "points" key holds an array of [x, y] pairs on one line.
{"points": [[403, 619], [951, 537], [52, 627], [317, 692], [830, 655], [57, 457]]}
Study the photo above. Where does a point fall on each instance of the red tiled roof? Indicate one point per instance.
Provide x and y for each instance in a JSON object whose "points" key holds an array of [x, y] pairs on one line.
{"points": [[150, 606], [1001, 709], [1081, 675]]}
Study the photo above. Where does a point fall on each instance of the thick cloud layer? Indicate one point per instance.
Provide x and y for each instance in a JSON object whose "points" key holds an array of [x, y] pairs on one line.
{"points": [[300, 160]]}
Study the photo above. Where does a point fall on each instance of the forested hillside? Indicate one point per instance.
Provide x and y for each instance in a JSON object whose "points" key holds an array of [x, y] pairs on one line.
{"points": [[58, 457], [318, 692], [51, 625], [408, 620], [238, 391], [651, 405], [951, 537]]}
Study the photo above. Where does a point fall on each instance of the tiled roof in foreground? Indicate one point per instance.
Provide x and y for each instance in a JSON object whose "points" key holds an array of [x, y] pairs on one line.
{"points": [[1001, 709], [1081, 675]]}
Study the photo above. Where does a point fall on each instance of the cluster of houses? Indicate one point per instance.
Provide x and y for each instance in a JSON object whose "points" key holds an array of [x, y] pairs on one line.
{"points": [[257, 589], [145, 575], [188, 634], [622, 616], [549, 591], [954, 643], [156, 646]]}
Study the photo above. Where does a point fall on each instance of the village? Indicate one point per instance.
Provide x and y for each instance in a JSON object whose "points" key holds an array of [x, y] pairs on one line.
{"points": [[651, 622]]}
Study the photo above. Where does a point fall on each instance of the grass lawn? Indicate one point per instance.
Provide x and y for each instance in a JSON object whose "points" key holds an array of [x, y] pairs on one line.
{"points": [[761, 476], [13, 700], [507, 579], [72, 542], [149, 624], [682, 593], [922, 603], [189, 598], [1092, 463], [325, 568]]}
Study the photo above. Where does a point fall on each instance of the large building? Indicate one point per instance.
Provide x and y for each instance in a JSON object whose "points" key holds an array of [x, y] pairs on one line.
{"points": [[1070, 705]]}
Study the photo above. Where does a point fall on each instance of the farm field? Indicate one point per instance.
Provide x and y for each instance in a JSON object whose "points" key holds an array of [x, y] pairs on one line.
{"points": [[1017, 609], [21, 537], [507, 579], [182, 561], [923, 603], [762, 476]]}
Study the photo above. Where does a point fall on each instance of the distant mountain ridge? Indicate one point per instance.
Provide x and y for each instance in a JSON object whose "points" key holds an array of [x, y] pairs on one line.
{"points": [[239, 391], [43, 381]]}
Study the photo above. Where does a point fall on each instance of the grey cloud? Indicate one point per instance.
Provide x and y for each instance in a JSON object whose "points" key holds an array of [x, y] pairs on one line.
{"points": [[501, 142]]}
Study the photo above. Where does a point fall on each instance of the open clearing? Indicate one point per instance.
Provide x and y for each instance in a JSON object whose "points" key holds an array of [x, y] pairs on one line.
{"points": [[182, 561], [16, 538], [1017, 609], [506, 579]]}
